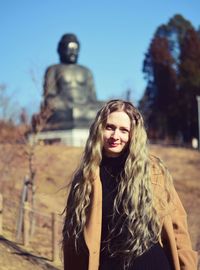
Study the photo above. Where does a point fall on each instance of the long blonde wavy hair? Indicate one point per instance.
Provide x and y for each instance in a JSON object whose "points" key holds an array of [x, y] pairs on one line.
{"points": [[133, 204]]}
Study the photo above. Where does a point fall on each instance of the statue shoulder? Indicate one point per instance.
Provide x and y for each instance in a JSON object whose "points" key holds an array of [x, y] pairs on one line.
{"points": [[51, 69], [85, 69]]}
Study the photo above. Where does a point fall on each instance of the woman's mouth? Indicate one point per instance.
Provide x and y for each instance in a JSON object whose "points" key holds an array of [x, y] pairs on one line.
{"points": [[113, 144]]}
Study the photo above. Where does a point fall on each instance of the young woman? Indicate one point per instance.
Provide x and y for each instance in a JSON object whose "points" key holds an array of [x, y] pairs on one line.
{"points": [[123, 211]]}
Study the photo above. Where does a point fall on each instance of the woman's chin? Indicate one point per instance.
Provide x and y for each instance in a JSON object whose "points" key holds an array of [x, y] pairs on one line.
{"points": [[113, 152]]}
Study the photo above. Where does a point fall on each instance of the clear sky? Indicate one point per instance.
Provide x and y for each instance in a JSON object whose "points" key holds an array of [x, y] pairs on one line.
{"points": [[114, 37]]}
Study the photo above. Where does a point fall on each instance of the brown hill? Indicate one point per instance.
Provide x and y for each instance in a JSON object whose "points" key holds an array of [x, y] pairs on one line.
{"points": [[54, 166]]}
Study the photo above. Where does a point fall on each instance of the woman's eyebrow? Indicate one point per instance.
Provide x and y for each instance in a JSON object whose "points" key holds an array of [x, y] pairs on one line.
{"points": [[109, 124], [122, 127]]}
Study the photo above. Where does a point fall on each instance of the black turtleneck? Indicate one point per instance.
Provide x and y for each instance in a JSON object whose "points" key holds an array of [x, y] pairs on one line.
{"points": [[154, 258], [110, 170]]}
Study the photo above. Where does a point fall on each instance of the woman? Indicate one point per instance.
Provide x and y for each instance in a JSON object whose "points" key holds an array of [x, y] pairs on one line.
{"points": [[123, 211]]}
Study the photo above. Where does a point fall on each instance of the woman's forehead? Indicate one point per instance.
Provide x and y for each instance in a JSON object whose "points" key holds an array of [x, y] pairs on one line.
{"points": [[120, 118]]}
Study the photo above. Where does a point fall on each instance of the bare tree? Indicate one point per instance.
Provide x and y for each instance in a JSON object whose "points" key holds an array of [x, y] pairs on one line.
{"points": [[28, 192]]}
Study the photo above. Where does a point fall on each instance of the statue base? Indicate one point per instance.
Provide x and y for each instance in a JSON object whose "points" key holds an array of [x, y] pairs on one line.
{"points": [[73, 137]]}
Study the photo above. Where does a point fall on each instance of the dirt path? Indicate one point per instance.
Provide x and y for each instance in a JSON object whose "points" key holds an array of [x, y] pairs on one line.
{"points": [[14, 258]]}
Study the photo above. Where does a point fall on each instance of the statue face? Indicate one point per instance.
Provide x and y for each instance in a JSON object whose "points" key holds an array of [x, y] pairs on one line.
{"points": [[70, 53]]}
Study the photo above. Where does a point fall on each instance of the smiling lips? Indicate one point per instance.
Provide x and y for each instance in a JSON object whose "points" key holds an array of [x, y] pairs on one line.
{"points": [[112, 143]]}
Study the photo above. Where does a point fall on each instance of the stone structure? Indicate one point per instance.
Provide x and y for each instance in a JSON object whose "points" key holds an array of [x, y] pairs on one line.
{"points": [[70, 94]]}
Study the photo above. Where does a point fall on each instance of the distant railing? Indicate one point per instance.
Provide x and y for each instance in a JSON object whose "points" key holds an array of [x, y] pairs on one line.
{"points": [[51, 228], [1, 214]]}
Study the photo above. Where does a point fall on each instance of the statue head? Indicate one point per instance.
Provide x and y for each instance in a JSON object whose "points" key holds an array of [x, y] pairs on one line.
{"points": [[68, 49]]}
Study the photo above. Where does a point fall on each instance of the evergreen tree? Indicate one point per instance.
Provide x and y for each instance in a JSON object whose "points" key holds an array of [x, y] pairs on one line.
{"points": [[161, 88], [174, 31], [161, 68], [189, 84]]}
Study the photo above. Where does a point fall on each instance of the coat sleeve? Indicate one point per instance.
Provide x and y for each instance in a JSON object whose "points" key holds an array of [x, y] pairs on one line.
{"points": [[174, 232], [187, 257]]}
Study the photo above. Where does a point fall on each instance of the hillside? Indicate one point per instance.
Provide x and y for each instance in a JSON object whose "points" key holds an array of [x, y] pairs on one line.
{"points": [[54, 166]]}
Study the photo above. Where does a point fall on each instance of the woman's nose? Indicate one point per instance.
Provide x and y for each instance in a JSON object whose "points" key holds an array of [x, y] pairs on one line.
{"points": [[115, 134]]}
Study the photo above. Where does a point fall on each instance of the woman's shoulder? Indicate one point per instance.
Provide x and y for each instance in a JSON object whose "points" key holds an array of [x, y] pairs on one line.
{"points": [[156, 164], [158, 171], [162, 185]]}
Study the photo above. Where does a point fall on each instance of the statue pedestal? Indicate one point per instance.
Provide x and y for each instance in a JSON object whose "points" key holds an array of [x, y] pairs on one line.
{"points": [[73, 137], [69, 127], [79, 116]]}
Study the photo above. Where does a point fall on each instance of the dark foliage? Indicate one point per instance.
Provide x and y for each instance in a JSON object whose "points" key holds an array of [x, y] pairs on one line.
{"points": [[189, 84], [171, 68]]}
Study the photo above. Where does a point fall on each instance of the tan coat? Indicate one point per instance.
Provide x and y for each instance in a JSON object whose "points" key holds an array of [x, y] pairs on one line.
{"points": [[174, 236]]}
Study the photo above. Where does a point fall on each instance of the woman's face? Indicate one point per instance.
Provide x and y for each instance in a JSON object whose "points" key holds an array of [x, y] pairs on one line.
{"points": [[116, 134]]}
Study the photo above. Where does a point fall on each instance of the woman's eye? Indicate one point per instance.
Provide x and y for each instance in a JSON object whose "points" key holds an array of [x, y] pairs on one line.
{"points": [[108, 127], [124, 130]]}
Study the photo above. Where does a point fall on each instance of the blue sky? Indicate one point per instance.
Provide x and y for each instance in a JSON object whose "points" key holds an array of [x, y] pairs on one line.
{"points": [[114, 37]]}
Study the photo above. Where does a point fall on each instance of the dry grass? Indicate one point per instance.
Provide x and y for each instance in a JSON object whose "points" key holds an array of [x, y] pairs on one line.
{"points": [[54, 166]]}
